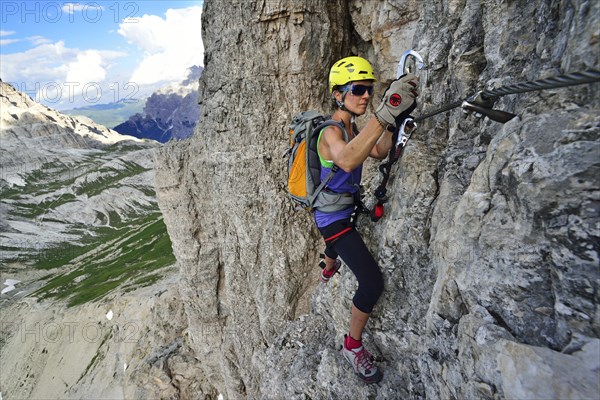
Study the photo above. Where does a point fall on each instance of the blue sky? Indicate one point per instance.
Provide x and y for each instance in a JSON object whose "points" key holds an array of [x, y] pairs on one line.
{"points": [[69, 54]]}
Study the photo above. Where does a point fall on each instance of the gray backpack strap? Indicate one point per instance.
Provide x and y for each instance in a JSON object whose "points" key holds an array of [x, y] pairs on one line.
{"points": [[324, 183], [331, 202]]}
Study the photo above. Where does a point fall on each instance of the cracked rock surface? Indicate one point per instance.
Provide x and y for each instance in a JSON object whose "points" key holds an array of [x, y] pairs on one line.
{"points": [[489, 246]]}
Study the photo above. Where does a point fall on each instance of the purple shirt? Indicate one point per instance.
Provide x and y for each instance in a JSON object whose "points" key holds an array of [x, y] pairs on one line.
{"points": [[342, 182]]}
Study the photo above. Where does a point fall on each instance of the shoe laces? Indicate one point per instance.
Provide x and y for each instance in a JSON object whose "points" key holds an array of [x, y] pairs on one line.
{"points": [[364, 359]]}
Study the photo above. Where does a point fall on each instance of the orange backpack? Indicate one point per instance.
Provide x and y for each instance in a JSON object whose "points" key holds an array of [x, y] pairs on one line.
{"points": [[304, 167]]}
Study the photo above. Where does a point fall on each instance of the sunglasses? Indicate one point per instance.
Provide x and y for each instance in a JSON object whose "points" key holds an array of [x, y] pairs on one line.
{"points": [[358, 90]]}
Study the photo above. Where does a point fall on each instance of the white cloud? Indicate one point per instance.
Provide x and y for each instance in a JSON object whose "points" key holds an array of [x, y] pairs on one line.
{"points": [[57, 63], [70, 8], [34, 40], [87, 68], [4, 42], [49, 68], [39, 64], [38, 40], [171, 44]]}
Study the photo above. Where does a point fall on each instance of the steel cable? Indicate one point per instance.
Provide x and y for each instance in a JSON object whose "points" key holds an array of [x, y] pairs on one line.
{"points": [[571, 79], [440, 110]]}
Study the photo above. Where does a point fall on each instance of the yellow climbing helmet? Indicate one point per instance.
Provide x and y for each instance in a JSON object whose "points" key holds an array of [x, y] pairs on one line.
{"points": [[350, 69]]}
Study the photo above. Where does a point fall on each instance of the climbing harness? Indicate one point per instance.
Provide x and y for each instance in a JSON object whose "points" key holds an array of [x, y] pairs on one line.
{"points": [[481, 103]]}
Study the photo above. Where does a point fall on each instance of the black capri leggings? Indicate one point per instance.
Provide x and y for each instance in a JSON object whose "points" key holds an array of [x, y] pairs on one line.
{"points": [[342, 239]]}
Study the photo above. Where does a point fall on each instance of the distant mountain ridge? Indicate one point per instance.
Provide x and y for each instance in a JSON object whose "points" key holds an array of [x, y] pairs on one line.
{"points": [[170, 113], [110, 114]]}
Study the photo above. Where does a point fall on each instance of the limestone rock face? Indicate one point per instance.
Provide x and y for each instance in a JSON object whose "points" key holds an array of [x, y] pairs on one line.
{"points": [[489, 246]]}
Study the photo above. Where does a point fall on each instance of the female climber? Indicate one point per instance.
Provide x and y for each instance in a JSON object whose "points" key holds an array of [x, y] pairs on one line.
{"points": [[351, 87]]}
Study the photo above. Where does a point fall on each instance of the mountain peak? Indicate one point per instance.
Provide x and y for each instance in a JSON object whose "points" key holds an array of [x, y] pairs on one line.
{"points": [[170, 112]]}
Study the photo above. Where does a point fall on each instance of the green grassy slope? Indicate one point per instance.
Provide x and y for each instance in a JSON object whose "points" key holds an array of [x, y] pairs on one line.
{"points": [[121, 250]]}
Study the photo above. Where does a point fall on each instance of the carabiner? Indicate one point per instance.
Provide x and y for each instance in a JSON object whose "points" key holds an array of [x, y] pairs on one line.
{"points": [[406, 130], [405, 68]]}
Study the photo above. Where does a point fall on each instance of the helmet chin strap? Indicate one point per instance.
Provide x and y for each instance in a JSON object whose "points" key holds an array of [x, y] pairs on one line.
{"points": [[342, 106]]}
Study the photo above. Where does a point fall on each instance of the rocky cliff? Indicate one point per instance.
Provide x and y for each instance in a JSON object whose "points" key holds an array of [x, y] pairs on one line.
{"points": [[490, 243]]}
